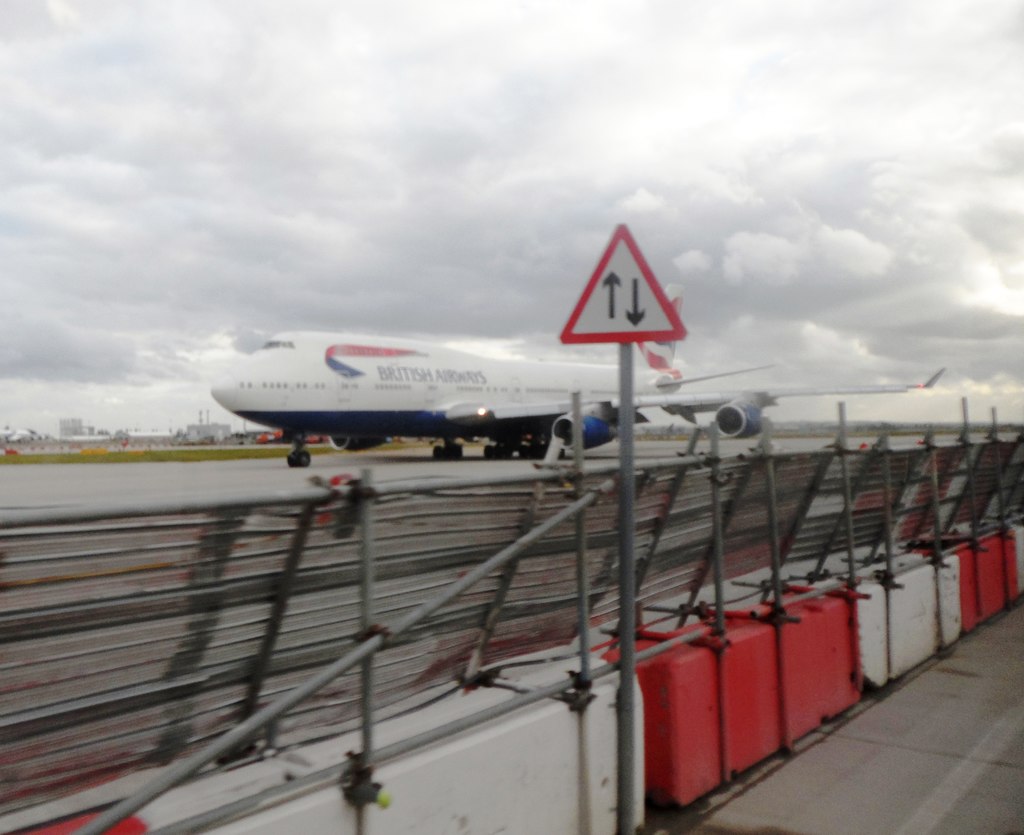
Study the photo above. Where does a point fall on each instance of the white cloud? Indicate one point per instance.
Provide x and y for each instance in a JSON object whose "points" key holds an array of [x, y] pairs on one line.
{"points": [[642, 201], [829, 346], [988, 287], [693, 262], [62, 13], [853, 252], [759, 256]]}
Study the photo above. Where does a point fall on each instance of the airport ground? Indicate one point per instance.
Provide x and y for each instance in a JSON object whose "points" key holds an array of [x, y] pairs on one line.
{"points": [[192, 474], [62, 485]]}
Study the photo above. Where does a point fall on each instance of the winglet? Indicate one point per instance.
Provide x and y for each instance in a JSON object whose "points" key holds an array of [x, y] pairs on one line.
{"points": [[933, 380]]}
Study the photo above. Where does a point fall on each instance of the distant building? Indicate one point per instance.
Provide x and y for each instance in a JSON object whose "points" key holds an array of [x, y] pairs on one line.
{"points": [[207, 432], [71, 427]]}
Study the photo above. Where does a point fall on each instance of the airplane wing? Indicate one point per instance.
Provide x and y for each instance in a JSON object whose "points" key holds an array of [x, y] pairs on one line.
{"points": [[470, 413], [673, 378], [738, 413], [476, 413], [679, 403]]}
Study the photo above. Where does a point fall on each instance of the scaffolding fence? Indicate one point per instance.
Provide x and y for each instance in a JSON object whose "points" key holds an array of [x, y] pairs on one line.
{"points": [[191, 638]]}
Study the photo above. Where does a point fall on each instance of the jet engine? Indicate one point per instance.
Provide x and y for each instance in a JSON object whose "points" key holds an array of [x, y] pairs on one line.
{"points": [[595, 431], [356, 444], [739, 419]]}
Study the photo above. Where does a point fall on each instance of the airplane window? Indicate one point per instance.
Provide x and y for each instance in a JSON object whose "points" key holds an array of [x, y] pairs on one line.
{"points": [[278, 343]]}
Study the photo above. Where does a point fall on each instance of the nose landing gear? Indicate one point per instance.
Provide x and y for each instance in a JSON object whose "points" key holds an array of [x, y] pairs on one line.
{"points": [[299, 456], [451, 451]]}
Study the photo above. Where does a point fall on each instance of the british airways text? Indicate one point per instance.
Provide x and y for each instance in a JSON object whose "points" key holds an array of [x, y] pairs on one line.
{"points": [[414, 374]]}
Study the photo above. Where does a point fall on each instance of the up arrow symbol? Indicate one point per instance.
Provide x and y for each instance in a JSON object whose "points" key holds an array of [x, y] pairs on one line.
{"points": [[611, 282]]}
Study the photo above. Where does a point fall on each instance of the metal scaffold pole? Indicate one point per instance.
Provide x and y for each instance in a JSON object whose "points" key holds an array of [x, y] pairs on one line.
{"points": [[583, 581], [627, 595], [843, 449], [583, 682]]}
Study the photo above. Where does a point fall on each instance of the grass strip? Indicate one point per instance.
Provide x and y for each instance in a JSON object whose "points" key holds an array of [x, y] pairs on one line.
{"points": [[142, 456]]}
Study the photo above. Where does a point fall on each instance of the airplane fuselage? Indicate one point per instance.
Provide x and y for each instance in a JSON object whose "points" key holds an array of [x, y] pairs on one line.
{"points": [[362, 386], [361, 390]]}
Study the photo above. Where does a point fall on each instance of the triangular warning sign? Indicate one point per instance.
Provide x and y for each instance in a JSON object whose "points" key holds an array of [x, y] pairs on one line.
{"points": [[623, 301]]}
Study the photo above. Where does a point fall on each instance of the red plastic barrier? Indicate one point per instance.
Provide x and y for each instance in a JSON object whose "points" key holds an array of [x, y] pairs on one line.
{"points": [[988, 578], [129, 826], [970, 613], [682, 760], [684, 751], [997, 572], [750, 676], [819, 667], [991, 576]]}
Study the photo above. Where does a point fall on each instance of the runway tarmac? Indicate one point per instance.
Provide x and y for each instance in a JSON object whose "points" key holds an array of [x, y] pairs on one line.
{"points": [[67, 485]]}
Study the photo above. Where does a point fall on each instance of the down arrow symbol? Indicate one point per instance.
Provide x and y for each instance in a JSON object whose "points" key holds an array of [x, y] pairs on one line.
{"points": [[635, 315]]}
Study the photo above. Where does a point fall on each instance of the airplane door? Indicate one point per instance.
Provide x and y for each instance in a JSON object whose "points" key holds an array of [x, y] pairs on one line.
{"points": [[516, 390], [344, 392]]}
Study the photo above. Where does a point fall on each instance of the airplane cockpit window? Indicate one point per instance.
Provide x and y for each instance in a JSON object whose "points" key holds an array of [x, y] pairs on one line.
{"points": [[278, 343]]}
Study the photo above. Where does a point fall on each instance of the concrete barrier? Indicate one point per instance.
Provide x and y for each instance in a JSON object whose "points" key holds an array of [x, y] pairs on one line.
{"points": [[544, 768]]}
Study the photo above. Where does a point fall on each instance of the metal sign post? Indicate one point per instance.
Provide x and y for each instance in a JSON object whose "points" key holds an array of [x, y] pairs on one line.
{"points": [[627, 596], [624, 303]]}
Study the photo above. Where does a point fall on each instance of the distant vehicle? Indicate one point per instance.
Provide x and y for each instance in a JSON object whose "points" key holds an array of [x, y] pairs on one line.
{"points": [[276, 437], [362, 390], [281, 437]]}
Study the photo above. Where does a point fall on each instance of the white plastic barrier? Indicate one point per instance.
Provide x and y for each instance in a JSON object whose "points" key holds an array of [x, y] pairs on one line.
{"points": [[915, 630], [901, 628], [873, 633], [544, 768], [949, 591]]}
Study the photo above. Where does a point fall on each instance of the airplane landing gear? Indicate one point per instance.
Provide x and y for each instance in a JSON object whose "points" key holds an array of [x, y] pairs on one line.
{"points": [[500, 451], [299, 456], [451, 451], [535, 449], [531, 448]]}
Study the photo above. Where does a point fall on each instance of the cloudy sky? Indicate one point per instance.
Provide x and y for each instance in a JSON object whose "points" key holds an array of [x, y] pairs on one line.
{"points": [[838, 187]]}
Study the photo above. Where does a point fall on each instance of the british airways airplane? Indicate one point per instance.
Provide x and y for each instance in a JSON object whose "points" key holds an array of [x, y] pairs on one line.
{"points": [[362, 390]]}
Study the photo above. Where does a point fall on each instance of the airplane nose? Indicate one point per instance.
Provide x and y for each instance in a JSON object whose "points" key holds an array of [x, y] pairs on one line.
{"points": [[224, 392]]}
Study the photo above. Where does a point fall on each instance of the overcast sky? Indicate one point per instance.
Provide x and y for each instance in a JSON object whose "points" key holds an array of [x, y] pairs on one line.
{"points": [[838, 187]]}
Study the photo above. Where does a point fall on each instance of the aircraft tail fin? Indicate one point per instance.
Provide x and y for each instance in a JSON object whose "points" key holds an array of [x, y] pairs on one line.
{"points": [[660, 355]]}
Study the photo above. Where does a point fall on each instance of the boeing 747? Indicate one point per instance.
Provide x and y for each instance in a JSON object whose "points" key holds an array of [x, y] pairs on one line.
{"points": [[362, 390]]}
